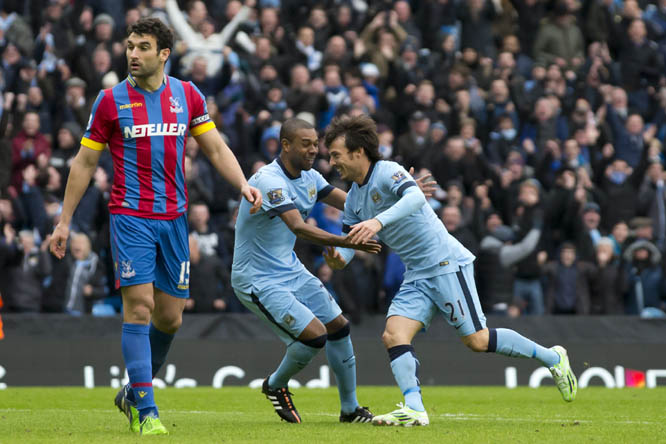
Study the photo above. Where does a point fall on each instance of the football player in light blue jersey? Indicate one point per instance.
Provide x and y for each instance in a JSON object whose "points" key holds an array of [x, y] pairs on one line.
{"points": [[269, 279], [439, 276]]}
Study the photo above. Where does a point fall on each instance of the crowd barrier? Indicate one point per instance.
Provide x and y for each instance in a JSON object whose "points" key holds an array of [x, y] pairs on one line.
{"points": [[236, 350]]}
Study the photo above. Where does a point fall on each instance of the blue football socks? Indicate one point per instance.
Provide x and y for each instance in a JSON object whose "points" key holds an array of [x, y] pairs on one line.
{"points": [[297, 357], [509, 343], [160, 343], [340, 355], [136, 352], [405, 368]]}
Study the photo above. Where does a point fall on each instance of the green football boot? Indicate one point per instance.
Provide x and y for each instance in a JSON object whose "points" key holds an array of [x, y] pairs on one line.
{"points": [[563, 375], [153, 426], [404, 416]]}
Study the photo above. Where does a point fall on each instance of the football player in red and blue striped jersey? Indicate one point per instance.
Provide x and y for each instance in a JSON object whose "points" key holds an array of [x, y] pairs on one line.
{"points": [[144, 121]]}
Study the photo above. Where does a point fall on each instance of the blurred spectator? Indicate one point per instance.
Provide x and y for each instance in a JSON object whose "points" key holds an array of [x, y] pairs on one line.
{"points": [[528, 294], [587, 232], [652, 201], [29, 147], [26, 276], [476, 19], [412, 147], [77, 108], [559, 40], [66, 146], [381, 40], [646, 294], [607, 294], [209, 282], [208, 239], [79, 281], [568, 283], [199, 38], [495, 262], [15, 29], [452, 218]]}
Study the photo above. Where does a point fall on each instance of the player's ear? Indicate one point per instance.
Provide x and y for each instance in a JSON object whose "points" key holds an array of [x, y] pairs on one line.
{"points": [[285, 144], [164, 54]]}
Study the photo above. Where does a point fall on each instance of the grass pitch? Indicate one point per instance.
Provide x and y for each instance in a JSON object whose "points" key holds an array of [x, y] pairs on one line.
{"points": [[457, 415]]}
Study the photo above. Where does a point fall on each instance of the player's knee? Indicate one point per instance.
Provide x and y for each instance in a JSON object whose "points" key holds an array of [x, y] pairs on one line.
{"points": [[476, 342], [169, 324], [318, 342], [389, 339], [137, 314]]}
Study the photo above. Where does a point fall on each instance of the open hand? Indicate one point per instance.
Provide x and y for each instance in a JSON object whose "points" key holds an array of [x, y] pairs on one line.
{"points": [[333, 258], [364, 231], [427, 186]]}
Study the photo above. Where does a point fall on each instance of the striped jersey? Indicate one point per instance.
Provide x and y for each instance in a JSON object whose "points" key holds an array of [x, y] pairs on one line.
{"points": [[146, 134]]}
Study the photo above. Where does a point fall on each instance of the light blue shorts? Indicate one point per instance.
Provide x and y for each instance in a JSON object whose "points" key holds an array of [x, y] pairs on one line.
{"points": [[288, 307], [452, 294]]}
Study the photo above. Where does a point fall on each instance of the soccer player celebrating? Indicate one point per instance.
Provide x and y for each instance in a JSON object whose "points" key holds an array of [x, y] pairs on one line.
{"points": [[268, 278], [144, 120], [439, 274]]}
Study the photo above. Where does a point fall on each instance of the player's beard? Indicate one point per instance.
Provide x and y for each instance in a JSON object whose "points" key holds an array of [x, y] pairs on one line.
{"points": [[144, 70]]}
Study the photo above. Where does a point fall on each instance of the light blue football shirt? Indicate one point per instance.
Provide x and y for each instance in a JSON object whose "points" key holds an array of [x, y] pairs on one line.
{"points": [[264, 246], [420, 239]]}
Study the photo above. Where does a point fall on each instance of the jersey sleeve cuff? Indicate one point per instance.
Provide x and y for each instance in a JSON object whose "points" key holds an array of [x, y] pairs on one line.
{"points": [[404, 186], [97, 146], [324, 192], [200, 129], [281, 209]]}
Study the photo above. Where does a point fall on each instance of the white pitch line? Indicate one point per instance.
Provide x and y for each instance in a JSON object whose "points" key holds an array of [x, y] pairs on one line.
{"points": [[447, 416]]}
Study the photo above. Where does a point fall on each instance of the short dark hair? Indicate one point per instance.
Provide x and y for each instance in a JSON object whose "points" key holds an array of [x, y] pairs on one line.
{"points": [[290, 126], [360, 132], [155, 27]]}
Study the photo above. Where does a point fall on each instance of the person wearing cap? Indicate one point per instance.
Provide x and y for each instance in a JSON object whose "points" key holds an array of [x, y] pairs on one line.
{"points": [[76, 107], [413, 147]]}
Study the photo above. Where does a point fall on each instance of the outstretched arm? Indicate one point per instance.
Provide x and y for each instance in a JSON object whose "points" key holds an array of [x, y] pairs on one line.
{"points": [[316, 235], [225, 162]]}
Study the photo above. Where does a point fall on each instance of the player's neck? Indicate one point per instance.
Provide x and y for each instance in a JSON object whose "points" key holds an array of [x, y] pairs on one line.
{"points": [[150, 83], [364, 165], [294, 171]]}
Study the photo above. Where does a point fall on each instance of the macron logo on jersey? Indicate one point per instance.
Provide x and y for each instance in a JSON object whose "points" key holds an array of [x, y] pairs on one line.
{"points": [[154, 129]]}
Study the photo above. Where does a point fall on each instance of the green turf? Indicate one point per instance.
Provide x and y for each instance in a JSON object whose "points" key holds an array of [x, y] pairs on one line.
{"points": [[457, 415]]}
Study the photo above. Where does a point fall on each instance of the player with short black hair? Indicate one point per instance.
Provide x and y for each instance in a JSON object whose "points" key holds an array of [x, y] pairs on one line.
{"points": [[268, 278]]}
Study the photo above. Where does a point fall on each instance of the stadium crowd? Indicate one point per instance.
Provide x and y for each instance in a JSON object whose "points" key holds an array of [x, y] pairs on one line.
{"points": [[543, 122]]}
